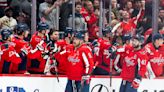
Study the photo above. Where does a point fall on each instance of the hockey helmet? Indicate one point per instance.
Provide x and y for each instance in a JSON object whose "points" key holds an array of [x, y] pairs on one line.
{"points": [[106, 30], [79, 35], [42, 26], [126, 37], [139, 37], [5, 33], [68, 31], [157, 36], [21, 28]]}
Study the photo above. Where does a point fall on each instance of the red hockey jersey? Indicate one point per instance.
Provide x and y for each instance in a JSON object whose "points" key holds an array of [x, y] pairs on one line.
{"points": [[104, 56], [9, 58], [36, 63], [61, 56], [80, 62], [134, 63], [20, 44], [22, 47], [156, 59]]}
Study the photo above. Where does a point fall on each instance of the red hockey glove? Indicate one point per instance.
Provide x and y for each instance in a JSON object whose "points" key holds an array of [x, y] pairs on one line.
{"points": [[136, 83]]}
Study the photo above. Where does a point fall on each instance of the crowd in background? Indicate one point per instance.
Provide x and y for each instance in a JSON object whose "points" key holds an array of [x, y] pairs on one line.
{"points": [[128, 18]]}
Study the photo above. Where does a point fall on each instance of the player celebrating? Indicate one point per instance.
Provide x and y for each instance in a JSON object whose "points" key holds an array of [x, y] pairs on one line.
{"points": [[22, 47], [9, 58], [134, 65], [155, 64], [37, 60], [101, 53], [80, 64]]}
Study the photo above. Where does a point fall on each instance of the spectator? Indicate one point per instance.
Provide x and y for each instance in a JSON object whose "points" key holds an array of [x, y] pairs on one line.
{"points": [[7, 21], [91, 19], [96, 4], [48, 11], [128, 25], [137, 5], [3, 4], [65, 11], [129, 7], [161, 15], [80, 23], [21, 6], [114, 20], [115, 8]]}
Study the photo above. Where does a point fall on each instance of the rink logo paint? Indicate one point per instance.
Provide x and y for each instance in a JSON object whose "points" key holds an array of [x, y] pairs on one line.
{"points": [[15, 89]]}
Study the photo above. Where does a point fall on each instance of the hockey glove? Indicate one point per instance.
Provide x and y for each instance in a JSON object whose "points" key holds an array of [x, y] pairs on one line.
{"points": [[39, 46], [95, 43], [54, 49], [24, 50], [1, 52], [136, 83], [45, 55], [118, 70], [86, 78]]}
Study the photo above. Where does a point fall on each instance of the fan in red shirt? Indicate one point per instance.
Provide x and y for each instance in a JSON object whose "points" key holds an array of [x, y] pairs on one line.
{"points": [[128, 25], [91, 19]]}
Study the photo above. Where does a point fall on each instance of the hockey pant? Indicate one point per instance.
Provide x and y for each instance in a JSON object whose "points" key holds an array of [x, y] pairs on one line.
{"points": [[126, 86], [76, 86]]}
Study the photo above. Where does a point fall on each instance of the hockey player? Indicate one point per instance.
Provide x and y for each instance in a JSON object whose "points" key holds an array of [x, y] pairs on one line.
{"points": [[156, 59], [79, 65], [125, 43], [134, 65], [9, 58], [56, 46], [102, 55], [37, 58], [22, 47]]}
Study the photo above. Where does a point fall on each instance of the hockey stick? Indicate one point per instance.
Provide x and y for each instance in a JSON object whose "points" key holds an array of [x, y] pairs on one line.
{"points": [[56, 69], [48, 63], [112, 50], [110, 74]]}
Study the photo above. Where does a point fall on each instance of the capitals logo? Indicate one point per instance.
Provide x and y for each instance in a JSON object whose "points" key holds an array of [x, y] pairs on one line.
{"points": [[73, 59], [15, 89]]}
